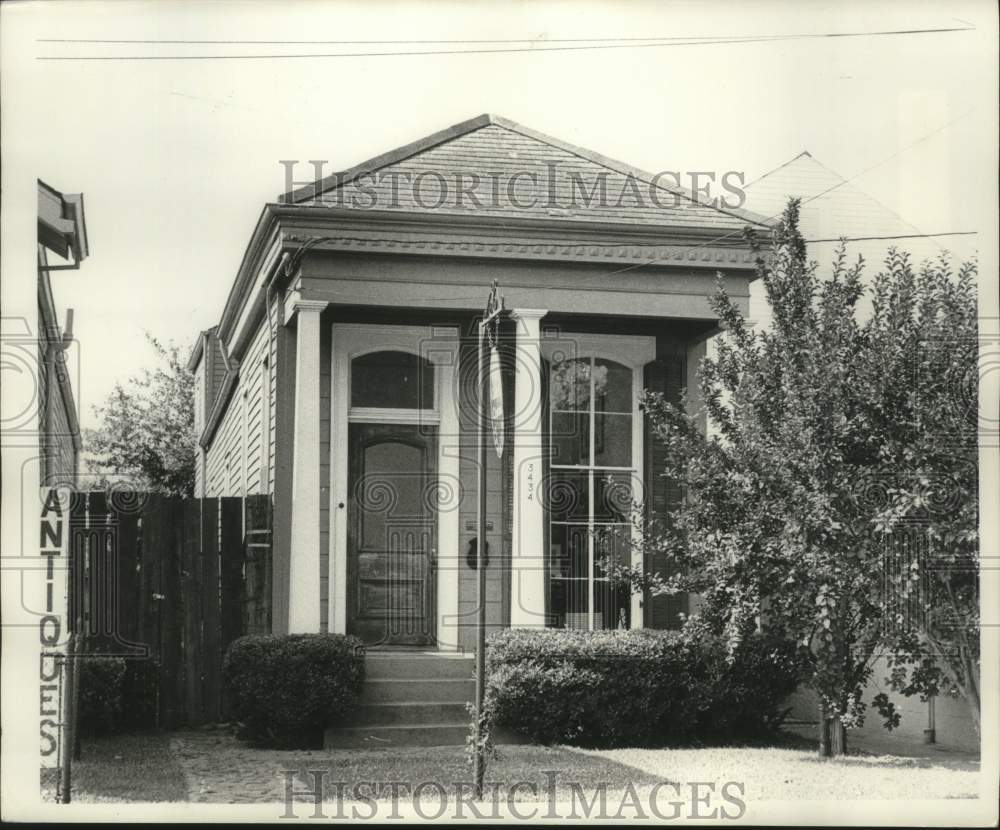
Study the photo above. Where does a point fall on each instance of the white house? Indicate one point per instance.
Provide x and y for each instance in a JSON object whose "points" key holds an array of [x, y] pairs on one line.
{"points": [[341, 379]]}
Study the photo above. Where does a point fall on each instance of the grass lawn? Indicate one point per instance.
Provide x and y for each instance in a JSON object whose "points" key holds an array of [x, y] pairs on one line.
{"points": [[794, 774], [209, 765], [126, 768]]}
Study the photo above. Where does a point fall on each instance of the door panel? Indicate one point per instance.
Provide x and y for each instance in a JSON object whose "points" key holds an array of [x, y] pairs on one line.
{"points": [[391, 534]]}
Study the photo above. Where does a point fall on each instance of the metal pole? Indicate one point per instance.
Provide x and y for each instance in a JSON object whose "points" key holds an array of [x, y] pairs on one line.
{"points": [[930, 733], [480, 569], [68, 718]]}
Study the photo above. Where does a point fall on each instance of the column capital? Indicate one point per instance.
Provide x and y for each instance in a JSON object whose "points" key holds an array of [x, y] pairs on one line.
{"points": [[295, 304], [528, 313]]}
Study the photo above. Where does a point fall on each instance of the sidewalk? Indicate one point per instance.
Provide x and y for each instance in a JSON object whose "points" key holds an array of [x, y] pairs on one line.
{"points": [[897, 745]]}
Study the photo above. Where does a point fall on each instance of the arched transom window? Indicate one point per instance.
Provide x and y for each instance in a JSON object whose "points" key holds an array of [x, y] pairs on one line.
{"points": [[392, 380]]}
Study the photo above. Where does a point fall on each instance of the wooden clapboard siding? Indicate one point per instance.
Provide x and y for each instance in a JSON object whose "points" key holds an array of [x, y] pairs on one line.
{"points": [[239, 439], [199, 425], [59, 437]]}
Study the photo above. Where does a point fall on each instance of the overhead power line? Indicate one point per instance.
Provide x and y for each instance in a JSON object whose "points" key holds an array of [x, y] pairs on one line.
{"points": [[701, 40]]}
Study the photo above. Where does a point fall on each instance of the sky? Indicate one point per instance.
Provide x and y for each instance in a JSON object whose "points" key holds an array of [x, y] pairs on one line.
{"points": [[176, 158]]}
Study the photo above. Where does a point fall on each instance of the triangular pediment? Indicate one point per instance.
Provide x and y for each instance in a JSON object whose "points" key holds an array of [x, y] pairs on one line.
{"points": [[491, 166]]}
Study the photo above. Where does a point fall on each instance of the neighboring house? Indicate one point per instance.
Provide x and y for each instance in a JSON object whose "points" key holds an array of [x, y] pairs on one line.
{"points": [[833, 207], [341, 379], [62, 232]]}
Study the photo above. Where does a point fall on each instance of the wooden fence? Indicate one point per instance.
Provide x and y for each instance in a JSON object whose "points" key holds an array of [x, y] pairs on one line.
{"points": [[168, 583]]}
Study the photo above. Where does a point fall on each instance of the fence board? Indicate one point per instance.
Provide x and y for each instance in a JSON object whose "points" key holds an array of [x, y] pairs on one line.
{"points": [[191, 595], [171, 614], [128, 589], [148, 605], [211, 612], [257, 569], [169, 584], [231, 577], [78, 518], [231, 553]]}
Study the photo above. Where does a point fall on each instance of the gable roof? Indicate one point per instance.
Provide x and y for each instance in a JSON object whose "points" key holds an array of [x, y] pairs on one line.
{"points": [[491, 165], [833, 207]]}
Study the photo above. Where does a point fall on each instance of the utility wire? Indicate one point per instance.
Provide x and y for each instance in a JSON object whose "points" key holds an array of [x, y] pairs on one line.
{"points": [[508, 50], [539, 40]]}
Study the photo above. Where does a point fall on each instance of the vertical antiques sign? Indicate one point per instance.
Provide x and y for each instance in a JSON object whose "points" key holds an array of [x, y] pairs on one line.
{"points": [[53, 624]]}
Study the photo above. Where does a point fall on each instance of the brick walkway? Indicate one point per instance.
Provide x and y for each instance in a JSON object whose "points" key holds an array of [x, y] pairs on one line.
{"points": [[219, 768]]}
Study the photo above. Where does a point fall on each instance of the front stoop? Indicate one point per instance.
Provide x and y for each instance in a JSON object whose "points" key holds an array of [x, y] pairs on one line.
{"points": [[411, 699]]}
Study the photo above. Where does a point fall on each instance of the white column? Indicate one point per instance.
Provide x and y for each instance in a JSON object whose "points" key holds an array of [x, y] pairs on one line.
{"points": [[527, 582], [449, 561], [304, 575]]}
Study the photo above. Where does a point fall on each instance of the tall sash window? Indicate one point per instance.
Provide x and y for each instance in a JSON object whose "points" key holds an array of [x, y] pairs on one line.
{"points": [[592, 470]]}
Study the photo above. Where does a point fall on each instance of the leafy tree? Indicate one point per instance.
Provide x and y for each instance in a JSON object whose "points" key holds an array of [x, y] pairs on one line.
{"points": [[826, 445], [147, 427], [928, 504]]}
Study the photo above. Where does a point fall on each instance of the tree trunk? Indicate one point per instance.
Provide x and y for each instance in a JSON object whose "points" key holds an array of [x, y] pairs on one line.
{"points": [[838, 737], [824, 733], [832, 735], [970, 690]]}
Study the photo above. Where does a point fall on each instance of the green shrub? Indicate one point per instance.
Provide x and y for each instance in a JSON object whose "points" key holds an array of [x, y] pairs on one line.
{"points": [[638, 687], [749, 690], [285, 690], [100, 682], [140, 690]]}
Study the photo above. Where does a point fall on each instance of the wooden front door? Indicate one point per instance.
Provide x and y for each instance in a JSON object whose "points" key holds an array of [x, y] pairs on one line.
{"points": [[391, 533]]}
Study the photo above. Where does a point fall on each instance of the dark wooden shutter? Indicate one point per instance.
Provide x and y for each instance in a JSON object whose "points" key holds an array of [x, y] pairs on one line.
{"points": [[665, 375]]}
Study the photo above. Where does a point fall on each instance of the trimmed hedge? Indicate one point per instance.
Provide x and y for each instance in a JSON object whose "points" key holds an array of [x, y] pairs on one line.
{"points": [[639, 687], [101, 701], [116, 695], [284, 690]]}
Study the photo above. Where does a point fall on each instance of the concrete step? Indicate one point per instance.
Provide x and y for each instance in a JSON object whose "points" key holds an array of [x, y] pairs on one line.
{"points": [[409, 714], [390, 737], [452, 690], [394, 666]]}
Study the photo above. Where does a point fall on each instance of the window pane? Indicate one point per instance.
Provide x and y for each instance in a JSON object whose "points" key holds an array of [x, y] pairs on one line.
{"points": [[569, 552], [396, 380], [612, 497], [612, 387], [568, 603], [570, 438], [612, 440], [612, 606], [566, 496], [613, 542], [569, 385], [391, 490]]}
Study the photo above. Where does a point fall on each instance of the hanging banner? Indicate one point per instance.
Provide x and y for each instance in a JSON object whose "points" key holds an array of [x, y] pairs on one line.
{"points": [[496, 400]]}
